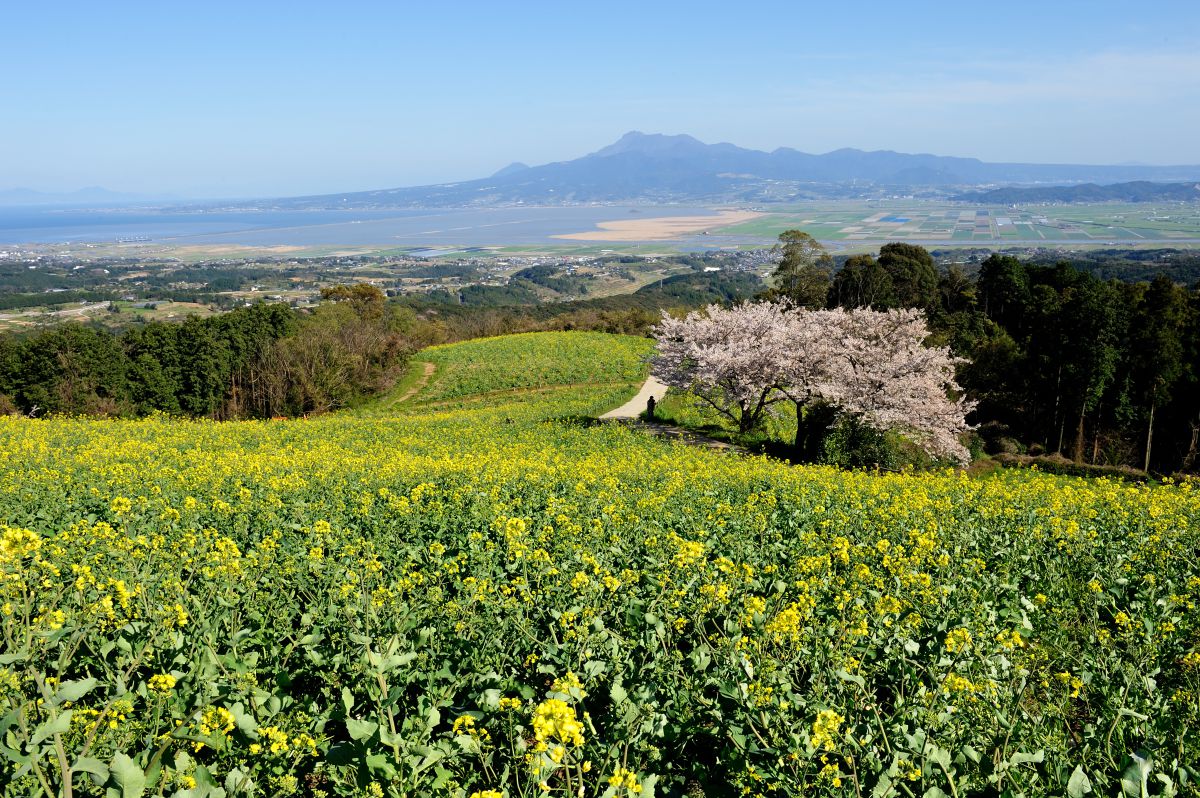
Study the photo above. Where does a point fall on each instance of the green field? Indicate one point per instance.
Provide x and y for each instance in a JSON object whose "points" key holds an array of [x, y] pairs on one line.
{"points": [[531, 361], [932, 223]]}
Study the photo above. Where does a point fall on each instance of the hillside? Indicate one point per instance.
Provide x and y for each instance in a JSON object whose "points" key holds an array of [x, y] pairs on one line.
{"points": [[516, 367], [476, 594]]}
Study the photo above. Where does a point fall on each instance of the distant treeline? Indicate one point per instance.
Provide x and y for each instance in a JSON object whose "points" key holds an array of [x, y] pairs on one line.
{"points": [[260, 361], [1131, 265], [1061, 361], [1133, 191], [443, 318], [691, 290]]}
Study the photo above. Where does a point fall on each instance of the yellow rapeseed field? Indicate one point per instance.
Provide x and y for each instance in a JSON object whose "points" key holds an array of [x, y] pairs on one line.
{"points": [[484, 602]]}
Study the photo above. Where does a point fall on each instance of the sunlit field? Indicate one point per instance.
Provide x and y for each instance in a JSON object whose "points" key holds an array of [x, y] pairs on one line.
{"points": [[482, 595]]}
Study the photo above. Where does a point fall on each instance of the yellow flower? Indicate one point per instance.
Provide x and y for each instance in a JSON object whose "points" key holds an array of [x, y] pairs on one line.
{"points": [[825, 729], [465, 724], [957, 640], [1011, 639], [275, 738], [555, 720], [625, 779], [570, 685], [162, 683]]}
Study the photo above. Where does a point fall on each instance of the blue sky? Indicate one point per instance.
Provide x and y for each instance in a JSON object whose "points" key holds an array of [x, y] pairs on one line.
{"points": [[265, 98]]}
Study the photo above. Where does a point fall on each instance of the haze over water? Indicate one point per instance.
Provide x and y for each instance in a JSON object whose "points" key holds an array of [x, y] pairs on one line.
{"points": [[401, 228]]}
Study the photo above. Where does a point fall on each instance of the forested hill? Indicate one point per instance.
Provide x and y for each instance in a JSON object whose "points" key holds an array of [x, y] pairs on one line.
{"points": [[1135, 191]]}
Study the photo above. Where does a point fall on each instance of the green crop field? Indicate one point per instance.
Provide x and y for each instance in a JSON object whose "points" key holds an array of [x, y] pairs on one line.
{"points": [[532, 361], [476, 594], [931, 223]]}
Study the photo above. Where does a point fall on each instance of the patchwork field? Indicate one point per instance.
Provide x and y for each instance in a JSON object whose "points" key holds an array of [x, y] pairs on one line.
{"points": [[937, 224], [475, 592]]}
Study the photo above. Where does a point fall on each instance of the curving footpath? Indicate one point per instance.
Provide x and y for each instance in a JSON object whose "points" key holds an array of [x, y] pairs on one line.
{"points": [[629, 412], [637, 405]]}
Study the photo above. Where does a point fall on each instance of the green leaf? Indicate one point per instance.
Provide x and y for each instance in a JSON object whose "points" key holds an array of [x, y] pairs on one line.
{"points": [[1133, 780], [54, 726], [1079, 784], [245, 722], [594, 668], [238, 782], [93, 767], [1023, 759], [73, 691], [939, 756], [617, 692], [846, 676], [395, 661], [206, 785], [347, 700], [128, 776], [382, 764], [443, 777], [361, 730]]}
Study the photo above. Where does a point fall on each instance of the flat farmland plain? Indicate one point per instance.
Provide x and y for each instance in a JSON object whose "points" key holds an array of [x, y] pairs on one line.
{"points": [[934, 223]]}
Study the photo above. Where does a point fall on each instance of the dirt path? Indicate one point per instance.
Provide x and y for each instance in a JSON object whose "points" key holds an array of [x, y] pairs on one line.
{"points": [[426, 373], [635, 406], [627, 414]]}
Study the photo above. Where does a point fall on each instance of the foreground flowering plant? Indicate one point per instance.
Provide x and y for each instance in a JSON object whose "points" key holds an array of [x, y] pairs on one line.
{"points": [[478, 601]]}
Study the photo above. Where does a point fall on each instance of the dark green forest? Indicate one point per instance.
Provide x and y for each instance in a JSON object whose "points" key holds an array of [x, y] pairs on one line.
{"points": [[1104, 372]]}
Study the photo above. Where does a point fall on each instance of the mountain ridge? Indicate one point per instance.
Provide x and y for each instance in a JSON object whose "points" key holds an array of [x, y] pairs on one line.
{"points": [[659, 168]]}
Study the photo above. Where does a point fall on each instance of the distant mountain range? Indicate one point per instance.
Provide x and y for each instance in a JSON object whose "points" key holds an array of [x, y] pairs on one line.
{"points": [[92, 195], [644, 167], [1136, 191]]}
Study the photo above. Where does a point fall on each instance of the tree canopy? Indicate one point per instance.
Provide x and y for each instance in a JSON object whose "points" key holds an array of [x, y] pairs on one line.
{"points": [[870, 365]]}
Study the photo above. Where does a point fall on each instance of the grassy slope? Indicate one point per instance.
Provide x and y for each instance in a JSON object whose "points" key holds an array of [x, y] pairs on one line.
{"points": [[492, 370]]}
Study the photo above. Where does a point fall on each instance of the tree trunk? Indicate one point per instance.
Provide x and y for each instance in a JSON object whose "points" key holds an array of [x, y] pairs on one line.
{"points": [[798, 444], [1149, 438], [1096, 434], [1189, 459], [1077, 449], [1054, 418]]}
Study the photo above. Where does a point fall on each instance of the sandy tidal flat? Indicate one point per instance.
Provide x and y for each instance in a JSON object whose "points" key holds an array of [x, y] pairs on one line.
{"points": [[662, 228]]}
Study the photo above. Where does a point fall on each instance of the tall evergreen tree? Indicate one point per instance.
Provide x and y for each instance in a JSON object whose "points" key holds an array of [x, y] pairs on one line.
{"points": [[803, 274]]}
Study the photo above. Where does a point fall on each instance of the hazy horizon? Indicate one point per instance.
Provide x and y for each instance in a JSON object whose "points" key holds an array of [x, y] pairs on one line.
{"points": [[300, 98]]}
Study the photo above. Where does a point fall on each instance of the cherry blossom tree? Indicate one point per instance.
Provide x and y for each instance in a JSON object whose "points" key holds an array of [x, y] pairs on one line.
{"points": [[880, 370], [732, 359], [871, 365]]}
